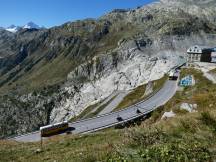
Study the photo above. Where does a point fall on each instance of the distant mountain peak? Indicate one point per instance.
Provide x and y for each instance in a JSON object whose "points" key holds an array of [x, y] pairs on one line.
{"points": [[31, 25], [13, 28]]}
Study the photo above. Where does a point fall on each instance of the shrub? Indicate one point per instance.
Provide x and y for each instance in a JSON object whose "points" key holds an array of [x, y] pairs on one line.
{"points": [[208, 120], [144, 138], [176, 151]]}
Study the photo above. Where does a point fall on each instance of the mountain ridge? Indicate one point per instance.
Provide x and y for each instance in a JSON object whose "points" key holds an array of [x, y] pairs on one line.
{"points": [[58, 72], [30, 25]]}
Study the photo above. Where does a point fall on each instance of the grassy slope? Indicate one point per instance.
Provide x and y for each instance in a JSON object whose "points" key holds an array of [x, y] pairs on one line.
{"points": [[42, 75], [187, 137], [84, 113], [90, 115], [78, 148], [136, 95]]}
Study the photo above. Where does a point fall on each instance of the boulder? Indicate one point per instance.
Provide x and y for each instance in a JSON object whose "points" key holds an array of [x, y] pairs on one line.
{"points": [[166, 115], [189, 107]]}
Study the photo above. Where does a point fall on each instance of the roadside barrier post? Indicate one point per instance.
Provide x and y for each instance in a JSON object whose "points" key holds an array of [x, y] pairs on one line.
{"points": [[41, 142]]}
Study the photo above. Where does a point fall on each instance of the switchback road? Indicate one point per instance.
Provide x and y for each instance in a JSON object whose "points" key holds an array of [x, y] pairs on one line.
{"points": [[115, 118]]}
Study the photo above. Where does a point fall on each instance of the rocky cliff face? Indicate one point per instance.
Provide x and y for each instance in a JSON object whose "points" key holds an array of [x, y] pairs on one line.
{"points": [[53, 74], [124, 69]]}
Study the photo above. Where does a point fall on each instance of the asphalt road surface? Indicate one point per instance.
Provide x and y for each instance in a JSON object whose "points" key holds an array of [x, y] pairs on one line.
{"points": [[108, 120]]}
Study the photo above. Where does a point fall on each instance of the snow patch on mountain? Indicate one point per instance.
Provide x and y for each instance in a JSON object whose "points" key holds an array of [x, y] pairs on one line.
{"points": [[31, 25], [13, 28]]}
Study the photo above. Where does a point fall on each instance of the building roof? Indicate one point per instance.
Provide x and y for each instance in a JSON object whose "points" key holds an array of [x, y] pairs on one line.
{"points": [[198, 49]]}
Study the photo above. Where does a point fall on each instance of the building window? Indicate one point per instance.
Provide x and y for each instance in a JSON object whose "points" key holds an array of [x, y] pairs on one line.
{"points": [[197, 58]]}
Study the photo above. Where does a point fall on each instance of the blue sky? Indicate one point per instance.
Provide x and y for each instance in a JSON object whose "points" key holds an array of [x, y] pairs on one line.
{"points": [[56, 12]]}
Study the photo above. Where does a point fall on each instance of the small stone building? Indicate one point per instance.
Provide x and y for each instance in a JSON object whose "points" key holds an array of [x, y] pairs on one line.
{"points": [[199, 54]]}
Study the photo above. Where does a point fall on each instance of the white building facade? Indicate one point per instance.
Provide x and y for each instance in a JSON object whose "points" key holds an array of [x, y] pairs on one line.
{"points": [[199, 54]]}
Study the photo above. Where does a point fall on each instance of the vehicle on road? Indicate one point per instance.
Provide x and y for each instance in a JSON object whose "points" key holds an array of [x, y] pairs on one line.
{"points": [[173, 75], [138, 111], [54, 129], [119, 118]]}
